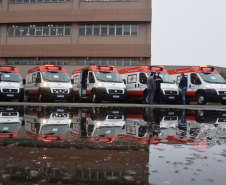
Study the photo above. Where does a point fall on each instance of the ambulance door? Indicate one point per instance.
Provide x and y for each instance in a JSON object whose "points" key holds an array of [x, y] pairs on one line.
{"points": [[193, 85], [75, 82], [143, 81], [90, 83], [83, 83], [131, 84]]}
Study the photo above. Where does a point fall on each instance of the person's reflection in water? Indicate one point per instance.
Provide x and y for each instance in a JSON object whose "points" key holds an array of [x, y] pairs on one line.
{"points": [[152, 130], [182, 125]]}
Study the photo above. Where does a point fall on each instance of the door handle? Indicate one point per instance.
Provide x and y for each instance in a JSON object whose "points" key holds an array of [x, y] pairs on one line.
{"points": [[135, 85], [189, 86]]}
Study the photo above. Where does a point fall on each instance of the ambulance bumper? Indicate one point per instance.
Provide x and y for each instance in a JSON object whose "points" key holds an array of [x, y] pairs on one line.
{"points": [[10, 95], [212, 96], [48, 95], [103, 95], [170, 98]]}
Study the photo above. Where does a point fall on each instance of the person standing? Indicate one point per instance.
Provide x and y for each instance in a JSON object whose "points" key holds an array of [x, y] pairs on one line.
{"points": [[183, 85], [151, 88], [158, 81]]}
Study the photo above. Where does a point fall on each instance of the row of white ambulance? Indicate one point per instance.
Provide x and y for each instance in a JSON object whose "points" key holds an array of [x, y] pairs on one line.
{"points": [[105, 82]]}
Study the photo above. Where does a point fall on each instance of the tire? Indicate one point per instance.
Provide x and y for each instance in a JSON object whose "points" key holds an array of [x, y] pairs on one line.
{"points": [[223, 102], [94, 97], [21, 99], [40, 98], [201, 98]]}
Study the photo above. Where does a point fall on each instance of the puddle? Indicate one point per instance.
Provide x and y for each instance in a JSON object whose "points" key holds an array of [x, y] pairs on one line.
{"points": [[99, 145]]}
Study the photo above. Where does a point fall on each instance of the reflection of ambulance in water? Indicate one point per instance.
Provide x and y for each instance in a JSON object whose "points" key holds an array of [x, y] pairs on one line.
{"points": [[103, 126], [10, 122], [51, 126]]}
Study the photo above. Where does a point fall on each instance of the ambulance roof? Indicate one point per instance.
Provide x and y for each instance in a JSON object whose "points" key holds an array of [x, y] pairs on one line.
{"points": [[50, 68], [195, 69], [143, 69], [100, 68], [6, 68]]}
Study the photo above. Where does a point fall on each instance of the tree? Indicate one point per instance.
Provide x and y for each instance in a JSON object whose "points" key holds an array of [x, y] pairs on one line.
{"points": [[223, 74]]}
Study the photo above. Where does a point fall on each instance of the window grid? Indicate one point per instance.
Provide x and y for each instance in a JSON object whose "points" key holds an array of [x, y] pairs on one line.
{"points": [[108, 29], [39, 30], [108, 61], [37, 1], [33, 61]]}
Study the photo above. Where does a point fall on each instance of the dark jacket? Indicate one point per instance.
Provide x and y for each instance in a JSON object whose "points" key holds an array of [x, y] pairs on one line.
{"points": [[151, 83], [158, 82], [183, 82]]}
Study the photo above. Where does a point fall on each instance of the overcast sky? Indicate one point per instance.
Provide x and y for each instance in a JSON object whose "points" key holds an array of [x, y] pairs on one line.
{"points": [[189, 32]]}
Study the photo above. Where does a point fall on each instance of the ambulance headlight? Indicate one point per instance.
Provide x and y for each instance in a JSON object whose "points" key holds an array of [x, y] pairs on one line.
{"points": [[70, 85], [123, 123], [69, 121], [100, 84], [208, 85], [124, 85], [44, 121], [98, 123], [21, 85], [45, 84]]}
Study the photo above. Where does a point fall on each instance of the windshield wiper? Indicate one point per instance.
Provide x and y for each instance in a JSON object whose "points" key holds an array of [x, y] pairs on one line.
{"points": [[102, 80], [115, 81], [9, 81]]}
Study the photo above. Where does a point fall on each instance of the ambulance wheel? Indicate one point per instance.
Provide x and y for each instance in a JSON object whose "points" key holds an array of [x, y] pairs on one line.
{"points": [[223, 102], [94, 97], [201, 98], [40, 98], [21, 99]]}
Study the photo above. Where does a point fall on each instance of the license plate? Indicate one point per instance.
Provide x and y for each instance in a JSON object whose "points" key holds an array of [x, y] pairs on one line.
{"points": [[115, 112], [60, 96], [171, 97], [170, 113], [223, 115], [10, 95], [224, 98], [115, 96]]}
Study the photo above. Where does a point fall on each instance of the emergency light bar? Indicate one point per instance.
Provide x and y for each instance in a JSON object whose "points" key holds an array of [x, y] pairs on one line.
{"points": [[111, 67], [207, 67], [6, 68], [158, 68], [53, 67]]}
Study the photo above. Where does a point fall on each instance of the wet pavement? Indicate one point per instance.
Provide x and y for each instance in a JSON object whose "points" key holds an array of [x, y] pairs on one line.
{"points": [[112, 145]]}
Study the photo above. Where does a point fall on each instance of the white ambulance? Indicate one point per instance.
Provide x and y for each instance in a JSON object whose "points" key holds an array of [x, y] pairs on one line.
{"points": [[47, 125], [205, 84], [136, 78], [48, 83], [98, 82], [11, 84], [10, 122]]}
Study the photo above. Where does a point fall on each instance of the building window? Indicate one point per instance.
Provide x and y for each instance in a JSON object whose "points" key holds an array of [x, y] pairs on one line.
{"points": [[108, 61], [37, 1], [0, 1], [33, 61], [108, 0], [39, 30], [108, 29]]}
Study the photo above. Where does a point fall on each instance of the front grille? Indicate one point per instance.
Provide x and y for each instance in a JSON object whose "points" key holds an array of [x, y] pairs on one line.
{"points": [[115, 91], [9, 114], [65, 91], [171, 92], [222, 92], [10, 90], [171, 118], [115, 117]]}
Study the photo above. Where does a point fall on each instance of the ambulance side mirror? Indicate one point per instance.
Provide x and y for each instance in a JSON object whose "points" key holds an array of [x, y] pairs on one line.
{"points": [[24, 81], [124, 81], [72, 81]]}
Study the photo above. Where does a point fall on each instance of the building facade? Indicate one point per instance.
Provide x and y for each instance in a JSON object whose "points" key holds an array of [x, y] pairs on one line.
{"points": [[75, 32]]}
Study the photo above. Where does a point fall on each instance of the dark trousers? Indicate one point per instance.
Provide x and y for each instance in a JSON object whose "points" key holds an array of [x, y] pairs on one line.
{"points": [[151, 94], [157, 97]]}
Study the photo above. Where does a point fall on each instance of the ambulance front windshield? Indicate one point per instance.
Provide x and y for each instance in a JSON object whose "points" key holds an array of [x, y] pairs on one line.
{"points": [[9, 127], [108, 77], [11, 77], [54, 129], [166, 78], [212, 78], [55, 77], [107, 131]]}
